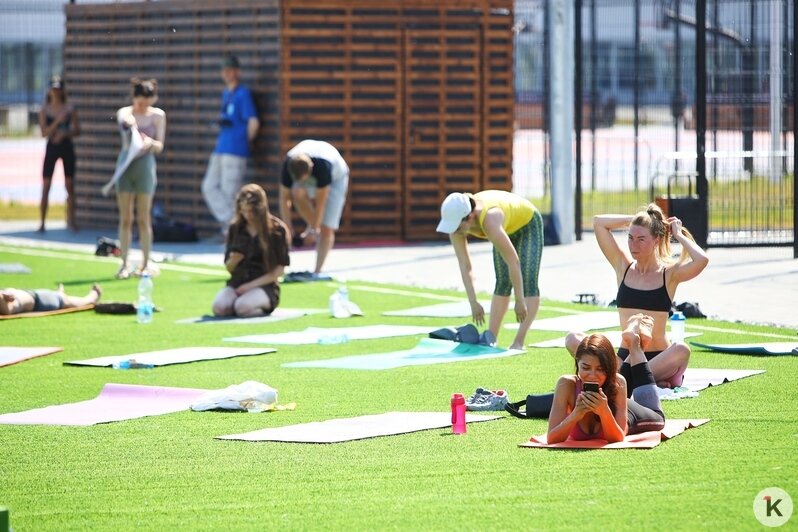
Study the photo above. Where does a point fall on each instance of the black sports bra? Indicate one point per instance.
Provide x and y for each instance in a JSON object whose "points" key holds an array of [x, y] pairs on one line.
{"points": [[657, 299]]}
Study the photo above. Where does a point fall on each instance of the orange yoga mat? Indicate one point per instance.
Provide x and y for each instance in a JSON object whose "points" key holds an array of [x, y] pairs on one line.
{"points": [[46, 312], [644, 440]]}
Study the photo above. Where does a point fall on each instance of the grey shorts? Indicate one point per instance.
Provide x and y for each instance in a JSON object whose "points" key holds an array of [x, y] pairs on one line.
{"points": [[44, 300], [336, 200], [139, 177]]}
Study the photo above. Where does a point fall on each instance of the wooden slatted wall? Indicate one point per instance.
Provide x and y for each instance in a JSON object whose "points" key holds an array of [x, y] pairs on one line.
{"points": [[181, 43], [417, 97]]}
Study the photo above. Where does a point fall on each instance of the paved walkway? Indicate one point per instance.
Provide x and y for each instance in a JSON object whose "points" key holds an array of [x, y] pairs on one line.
{"points": [[756, 285]]}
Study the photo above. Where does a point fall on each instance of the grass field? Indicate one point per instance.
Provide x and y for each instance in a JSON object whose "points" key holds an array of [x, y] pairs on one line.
{"points": [[169, 473]]}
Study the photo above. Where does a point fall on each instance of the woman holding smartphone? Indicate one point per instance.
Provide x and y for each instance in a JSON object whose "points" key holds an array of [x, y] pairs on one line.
{"points": [[593, 404]]}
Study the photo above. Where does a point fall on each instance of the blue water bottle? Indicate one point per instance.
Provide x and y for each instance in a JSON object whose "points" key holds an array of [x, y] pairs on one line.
{"points": [[677, 327], [145, 307]]}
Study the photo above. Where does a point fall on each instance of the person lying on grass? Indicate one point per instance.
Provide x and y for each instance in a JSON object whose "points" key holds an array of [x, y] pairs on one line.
{"points": [[256, 256], [17, 301], [593, 403]]}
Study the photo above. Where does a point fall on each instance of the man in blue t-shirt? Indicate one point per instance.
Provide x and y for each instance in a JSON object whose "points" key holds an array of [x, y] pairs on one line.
{"points": [[238, 123]]}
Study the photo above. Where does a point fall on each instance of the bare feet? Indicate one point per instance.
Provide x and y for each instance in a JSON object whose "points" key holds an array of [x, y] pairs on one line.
{"points": [[97, 290], [41, 229], [123, 272], [641, 325]]}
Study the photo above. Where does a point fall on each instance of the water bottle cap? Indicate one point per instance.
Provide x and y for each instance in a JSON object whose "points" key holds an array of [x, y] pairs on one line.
{"points": [[678, 316], [458, 398]]}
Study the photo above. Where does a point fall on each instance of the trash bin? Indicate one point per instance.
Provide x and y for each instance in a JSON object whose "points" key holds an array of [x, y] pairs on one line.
{"points": [[689, 209]]}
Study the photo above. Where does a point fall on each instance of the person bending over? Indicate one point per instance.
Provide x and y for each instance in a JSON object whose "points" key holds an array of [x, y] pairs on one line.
{"points": [[315, 179], [17, 301], [647, 279], [605, 412], [256, 255], [515, 228]]}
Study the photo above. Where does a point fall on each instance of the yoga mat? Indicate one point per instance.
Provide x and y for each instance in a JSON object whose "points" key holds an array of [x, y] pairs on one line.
{"points": [[456, 309], [644, 440], [13, 267], [428, 351], [179, 355], [764, 348], [47, 312], [356, 428], [116, 402], [12, 355], [614, 336], [279, 314], [697, 379], [312, 335], [586, 321]]}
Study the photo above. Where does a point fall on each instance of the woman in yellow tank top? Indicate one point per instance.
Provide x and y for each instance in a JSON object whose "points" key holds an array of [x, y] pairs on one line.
{"points": [[515, 228]]}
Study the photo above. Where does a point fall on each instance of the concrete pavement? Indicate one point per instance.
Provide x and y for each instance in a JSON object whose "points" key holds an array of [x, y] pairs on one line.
{"points": [[752, 285]]}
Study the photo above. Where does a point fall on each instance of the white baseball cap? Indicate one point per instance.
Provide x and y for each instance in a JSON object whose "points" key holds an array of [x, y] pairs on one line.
{"points": [[454, 208]]}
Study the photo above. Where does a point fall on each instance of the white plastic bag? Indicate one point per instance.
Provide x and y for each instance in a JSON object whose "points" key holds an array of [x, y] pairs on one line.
{"points": [[251, 396], [341, 307]]}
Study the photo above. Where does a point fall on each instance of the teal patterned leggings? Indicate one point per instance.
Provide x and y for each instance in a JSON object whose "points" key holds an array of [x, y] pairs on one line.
{"points": [[528, 243]]}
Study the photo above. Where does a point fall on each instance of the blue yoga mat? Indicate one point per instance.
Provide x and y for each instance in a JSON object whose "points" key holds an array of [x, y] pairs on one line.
{"points": [[428, 351]]}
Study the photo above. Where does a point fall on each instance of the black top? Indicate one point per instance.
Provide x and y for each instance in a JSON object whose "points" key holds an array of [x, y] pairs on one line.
{"points": [[252, 265], [657, 299], [321, 172]]}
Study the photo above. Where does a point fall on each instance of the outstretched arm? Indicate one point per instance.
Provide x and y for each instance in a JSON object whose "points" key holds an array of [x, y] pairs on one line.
{"points": [[460, 245], [285, 205]]}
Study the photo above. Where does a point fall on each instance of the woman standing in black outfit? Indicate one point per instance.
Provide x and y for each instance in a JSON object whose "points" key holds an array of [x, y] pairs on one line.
{"points": [[59, 124]]}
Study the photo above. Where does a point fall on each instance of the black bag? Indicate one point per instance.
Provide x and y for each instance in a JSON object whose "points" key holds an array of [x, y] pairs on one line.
{"points": [[690, 310], [107, 246], [535, 406], [166, 230]]}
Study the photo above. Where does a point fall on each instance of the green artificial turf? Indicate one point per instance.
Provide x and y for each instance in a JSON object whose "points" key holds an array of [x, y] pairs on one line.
{"points": [[169, 473]]}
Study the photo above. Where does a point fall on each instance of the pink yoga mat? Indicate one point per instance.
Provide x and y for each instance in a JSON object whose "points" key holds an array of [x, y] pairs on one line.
{"points": [[645, 440], [12, 355], [116, 402]]}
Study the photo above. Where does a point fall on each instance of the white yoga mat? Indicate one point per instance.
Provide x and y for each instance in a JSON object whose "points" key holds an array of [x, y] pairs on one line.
{"points": [[279, 314], [614, 336], [356, 428], [179, 355], [11, 355], [456, 309], [586, 321], [428, 351], [312, 335], [697, 379]]}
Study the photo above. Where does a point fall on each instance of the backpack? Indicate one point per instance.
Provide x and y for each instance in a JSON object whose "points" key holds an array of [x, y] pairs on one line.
{"points": [[535, 406]]}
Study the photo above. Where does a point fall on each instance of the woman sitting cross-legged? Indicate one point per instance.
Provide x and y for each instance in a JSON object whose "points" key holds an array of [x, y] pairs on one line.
{"points": [[256, 255], [578, 413]]}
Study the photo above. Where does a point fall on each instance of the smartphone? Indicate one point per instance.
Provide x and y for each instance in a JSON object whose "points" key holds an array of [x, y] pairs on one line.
{"points": [[590, 387]]}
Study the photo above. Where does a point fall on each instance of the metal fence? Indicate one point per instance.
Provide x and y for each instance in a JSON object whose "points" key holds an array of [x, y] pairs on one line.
{"points": [[641, 99]]}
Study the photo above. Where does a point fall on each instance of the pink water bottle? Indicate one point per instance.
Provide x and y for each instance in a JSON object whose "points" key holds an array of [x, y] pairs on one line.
{"points": [[458, 414]]}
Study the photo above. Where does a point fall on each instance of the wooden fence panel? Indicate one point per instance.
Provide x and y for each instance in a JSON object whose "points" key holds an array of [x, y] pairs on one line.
{"points": [[417, 97]]}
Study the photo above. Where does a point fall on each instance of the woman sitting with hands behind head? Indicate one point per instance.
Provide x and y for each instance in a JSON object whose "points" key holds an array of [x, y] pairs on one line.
{"points": [[647, 278], [593, 404], [256, 255]]}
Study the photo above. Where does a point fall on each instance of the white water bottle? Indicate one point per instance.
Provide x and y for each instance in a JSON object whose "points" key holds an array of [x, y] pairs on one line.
{"points": [[677, 327], [145, 307]]}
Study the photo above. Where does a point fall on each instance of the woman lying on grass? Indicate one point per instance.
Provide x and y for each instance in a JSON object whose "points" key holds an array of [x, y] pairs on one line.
{"points": [[579, 413], [16, 301]]}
